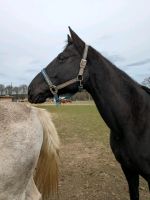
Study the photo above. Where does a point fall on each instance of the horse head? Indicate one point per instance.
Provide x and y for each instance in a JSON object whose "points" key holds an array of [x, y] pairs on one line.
{"points": [[64, 74]]}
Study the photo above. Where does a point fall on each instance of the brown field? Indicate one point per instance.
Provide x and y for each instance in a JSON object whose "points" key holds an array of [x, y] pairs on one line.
{"points": [[88, 169]]}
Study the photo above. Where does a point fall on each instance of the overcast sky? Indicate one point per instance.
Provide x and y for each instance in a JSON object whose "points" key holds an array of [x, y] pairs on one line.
{"points": [[33, 32]]}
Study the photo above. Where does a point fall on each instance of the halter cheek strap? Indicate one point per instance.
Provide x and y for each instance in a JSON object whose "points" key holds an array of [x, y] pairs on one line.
{"points": [[54, 89]]}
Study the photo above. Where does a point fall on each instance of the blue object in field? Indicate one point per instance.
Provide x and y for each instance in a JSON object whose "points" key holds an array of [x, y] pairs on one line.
{"points": [[57, 99]]}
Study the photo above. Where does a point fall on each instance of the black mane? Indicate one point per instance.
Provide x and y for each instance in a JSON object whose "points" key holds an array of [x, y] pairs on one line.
{"points": [[96, 55], [146, 89]]}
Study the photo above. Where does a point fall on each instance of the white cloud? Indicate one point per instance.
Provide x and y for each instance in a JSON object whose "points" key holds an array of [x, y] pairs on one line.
{"points": [[36, 30]]}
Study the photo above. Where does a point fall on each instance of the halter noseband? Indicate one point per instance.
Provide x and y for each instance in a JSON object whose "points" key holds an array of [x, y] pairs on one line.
{"points": [[54, 89]]}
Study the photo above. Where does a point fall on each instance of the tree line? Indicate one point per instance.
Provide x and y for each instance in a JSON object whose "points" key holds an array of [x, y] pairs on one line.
{"points": [[22, 91], [15, 91]]}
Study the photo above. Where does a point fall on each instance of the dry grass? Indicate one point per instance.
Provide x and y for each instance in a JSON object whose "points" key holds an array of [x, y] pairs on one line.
{"points": [[88, 167]]}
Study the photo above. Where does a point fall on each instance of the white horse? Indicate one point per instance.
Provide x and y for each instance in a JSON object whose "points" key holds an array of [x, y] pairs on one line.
{"points": [[29, 147]]}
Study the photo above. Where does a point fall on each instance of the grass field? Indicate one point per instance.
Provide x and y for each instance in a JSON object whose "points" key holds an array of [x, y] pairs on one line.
{"points": [[81, 120], [88, 169]]}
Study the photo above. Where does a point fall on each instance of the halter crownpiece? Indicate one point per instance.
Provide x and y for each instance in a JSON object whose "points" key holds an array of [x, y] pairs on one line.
{"points": [[82, 67], [54, 89]]}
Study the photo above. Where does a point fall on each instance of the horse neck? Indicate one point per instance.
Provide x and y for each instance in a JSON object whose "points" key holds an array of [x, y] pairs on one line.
{"points": [[116, 95]]}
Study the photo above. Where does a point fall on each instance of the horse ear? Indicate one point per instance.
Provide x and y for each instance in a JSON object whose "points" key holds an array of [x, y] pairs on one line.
{"points": [[77, 41], [69, 39]]}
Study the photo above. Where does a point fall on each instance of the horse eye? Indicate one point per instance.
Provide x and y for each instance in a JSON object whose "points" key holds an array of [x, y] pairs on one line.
{"points": [[61, 58]]}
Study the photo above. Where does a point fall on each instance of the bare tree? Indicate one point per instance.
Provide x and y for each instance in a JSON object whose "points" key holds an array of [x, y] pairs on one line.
{"points": [[146, 82], [23, 89], [16, 90], [8, 90], [82, 96], [2, 88]]}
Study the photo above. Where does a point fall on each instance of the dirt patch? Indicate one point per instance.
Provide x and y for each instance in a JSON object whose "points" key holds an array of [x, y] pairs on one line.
{"points": [[89, 171]]}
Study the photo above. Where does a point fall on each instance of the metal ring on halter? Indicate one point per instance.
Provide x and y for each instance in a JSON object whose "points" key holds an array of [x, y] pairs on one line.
{"points": [[80, 78], [53, 89]]}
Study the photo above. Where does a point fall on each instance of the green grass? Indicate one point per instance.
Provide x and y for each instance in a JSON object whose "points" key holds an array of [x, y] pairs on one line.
{"points": [[79, 120], [83, 122]]}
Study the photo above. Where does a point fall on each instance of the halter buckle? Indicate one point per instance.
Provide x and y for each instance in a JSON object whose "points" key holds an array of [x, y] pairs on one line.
{"points": [[53, 89], [80, 80], [83, 63]]}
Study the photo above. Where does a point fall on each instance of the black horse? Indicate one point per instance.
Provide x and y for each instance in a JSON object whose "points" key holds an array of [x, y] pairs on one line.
{"points": [[123, 103]]}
